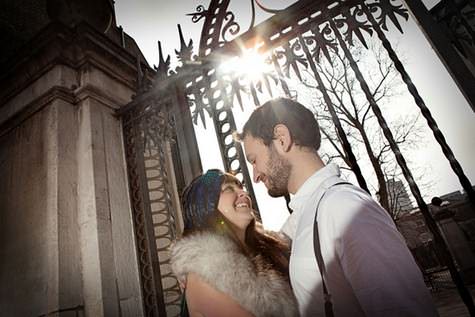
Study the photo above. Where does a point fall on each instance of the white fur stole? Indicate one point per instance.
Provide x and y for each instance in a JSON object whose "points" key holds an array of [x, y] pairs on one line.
{"points": [[218, 261]]}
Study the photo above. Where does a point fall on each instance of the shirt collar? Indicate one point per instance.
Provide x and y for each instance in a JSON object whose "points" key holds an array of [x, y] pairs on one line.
{"points": [[308, 188], [311, 184]]}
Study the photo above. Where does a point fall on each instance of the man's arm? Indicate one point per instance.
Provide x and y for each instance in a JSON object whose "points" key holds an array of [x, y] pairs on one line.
{"points": [[205, 301], [375, 259]]}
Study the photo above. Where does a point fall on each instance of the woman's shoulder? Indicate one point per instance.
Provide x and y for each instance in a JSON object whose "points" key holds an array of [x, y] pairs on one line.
{"points": [[203, 253]]}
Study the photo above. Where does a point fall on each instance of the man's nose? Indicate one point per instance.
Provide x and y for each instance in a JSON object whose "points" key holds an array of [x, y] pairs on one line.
{"points": [[256, 176]]}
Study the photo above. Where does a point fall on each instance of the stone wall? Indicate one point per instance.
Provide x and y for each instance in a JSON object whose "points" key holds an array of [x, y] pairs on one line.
{"points": [[66, 233]]}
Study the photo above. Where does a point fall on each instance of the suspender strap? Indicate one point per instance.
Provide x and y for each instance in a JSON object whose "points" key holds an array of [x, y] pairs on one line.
{"points": [[321, 266], [319, 257]]}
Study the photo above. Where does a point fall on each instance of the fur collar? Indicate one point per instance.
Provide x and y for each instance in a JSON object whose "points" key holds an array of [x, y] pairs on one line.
{"points": [[219, 262]]}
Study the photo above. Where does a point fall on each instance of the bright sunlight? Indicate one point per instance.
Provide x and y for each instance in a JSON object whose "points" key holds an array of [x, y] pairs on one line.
{"points": [[251, 64]]}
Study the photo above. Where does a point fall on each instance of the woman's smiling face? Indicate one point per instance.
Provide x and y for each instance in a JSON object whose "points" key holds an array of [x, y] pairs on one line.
{"points": [[235, 204]]}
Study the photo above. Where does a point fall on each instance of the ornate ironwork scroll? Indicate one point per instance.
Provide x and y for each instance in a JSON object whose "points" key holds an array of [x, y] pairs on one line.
{"points": [[145, 241], [147, 134], [218, 25], [158, 133]]}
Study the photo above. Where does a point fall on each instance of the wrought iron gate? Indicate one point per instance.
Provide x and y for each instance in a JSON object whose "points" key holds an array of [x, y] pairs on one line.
{"points": [[161, 148]]}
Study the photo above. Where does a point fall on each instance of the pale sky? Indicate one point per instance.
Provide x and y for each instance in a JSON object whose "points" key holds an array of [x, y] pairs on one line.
{"points": [[148, 21]]}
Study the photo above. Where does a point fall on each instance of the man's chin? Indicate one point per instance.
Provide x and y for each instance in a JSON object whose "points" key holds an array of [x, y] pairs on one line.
{"points": [[277, 193]]}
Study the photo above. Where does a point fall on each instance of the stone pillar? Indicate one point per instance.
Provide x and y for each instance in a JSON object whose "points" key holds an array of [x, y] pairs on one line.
{"points": [[40, 266], [456, 241], [67, 244]]}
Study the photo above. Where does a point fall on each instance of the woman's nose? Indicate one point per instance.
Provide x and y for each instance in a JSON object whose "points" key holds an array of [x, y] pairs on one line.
{"points": [[242, 193]]}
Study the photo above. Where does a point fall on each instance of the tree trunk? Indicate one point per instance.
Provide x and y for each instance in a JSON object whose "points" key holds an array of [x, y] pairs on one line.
{"points": [[383, 190]]}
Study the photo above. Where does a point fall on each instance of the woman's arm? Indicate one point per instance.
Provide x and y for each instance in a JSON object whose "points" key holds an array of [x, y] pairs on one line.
{"points": [[205, 301]]}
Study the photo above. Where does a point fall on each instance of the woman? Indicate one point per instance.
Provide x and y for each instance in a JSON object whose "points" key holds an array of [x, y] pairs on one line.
{"points": [[228, 265]]}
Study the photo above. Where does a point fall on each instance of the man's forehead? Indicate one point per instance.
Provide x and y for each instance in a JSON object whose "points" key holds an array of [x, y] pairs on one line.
{"points": [[252, 140], [252, 146]]}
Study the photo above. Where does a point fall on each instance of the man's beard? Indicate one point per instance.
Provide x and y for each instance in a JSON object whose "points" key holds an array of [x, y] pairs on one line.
{"points": [[278, 174]]}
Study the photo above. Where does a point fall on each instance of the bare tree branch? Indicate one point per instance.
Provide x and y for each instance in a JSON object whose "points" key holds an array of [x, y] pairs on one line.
{"points": [[363, 132]]}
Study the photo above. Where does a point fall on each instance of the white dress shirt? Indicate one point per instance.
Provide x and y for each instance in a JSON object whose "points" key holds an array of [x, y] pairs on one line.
{"points": [[369, 269]]}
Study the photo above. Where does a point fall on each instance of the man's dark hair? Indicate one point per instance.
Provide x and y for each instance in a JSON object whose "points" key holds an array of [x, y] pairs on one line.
{"points": [[300, 121]]}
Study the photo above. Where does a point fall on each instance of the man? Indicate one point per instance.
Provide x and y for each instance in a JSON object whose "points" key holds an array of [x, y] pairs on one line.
{"points": [[368, 267]]}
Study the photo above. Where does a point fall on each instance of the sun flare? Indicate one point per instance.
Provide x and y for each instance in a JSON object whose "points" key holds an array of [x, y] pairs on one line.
{"points": [[251, 64]]}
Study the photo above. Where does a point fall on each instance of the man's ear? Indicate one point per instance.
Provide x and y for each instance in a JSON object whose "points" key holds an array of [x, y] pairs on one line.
{"points": [[282, 137]]}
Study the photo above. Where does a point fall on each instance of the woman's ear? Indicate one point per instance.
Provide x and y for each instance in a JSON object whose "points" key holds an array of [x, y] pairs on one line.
{"points": [[282, 137]]}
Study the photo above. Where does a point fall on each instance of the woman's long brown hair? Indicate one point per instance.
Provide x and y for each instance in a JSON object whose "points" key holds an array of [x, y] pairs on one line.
{"points": [[274, 250]]}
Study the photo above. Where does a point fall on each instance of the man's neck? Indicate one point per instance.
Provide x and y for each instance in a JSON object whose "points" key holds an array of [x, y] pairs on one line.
{"points": [[304, 165]]}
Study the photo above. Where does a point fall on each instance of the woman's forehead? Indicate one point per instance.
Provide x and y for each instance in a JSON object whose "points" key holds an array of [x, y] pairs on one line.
{"points": [[230, 179]]}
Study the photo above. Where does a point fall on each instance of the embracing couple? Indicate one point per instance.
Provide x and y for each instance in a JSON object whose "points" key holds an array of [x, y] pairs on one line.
{"points": [[338, 254]]}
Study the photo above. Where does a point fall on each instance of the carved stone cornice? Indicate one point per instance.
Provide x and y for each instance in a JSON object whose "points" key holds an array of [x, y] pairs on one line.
{"points": [[54, 93], [79, 60]]}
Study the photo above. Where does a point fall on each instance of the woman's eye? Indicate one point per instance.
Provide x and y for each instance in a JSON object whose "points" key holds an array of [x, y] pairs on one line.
{"points": [[228, 189]]}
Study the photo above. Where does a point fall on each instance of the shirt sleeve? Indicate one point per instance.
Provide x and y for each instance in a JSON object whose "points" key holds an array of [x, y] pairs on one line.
{"points": [[374, 257]]}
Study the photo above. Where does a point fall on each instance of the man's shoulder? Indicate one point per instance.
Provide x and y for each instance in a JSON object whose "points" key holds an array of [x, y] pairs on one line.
{"points": [[347, 198], [349, 210], [337, 189], [344, 189]]}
